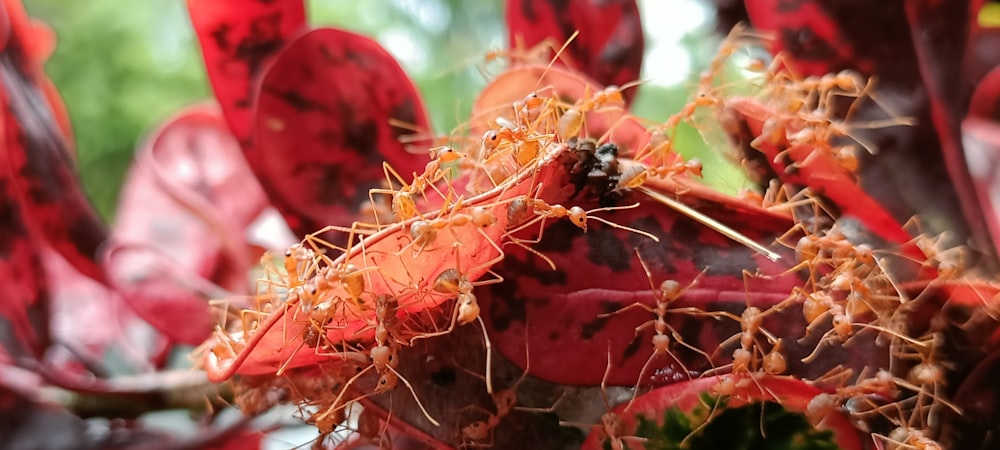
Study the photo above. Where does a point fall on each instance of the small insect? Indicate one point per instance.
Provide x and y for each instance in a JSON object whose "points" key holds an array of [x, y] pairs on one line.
{"points": [[542, 211], [668, 292], [611, 424], [384, 357], [480, 433], [572, 120]]}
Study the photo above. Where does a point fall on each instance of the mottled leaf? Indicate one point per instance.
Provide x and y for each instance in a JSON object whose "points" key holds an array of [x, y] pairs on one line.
{"points": [[986, 98], [37, 42], [237, 39], [912, 46], [90, 322], [688, 397], [38, 154], [327, 117], [610, 44], [24, 307], [981, 140], [803, 165], [599, 273]]}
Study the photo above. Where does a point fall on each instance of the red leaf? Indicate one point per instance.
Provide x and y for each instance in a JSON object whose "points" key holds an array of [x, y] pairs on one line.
{"points": [[980, 402], [34, 42], [406, 270], [24, 305], [981, 56], [183, 215], [981, 140], [986, 98], [793, 394], [44, 173], [817, 169], [598, 273], [827, 36], [237, 39], [939, 31], [610, 44], [323, 127], [90, 320]]}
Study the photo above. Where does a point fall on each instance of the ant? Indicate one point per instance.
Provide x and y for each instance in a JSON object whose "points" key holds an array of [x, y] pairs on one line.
{"points": [[384, 356], [668, 292], [424, 231], [572, 119], [522, 207], [611, 425], [504, 400]]}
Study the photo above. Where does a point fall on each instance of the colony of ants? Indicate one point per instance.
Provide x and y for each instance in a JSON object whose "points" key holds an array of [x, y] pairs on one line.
{"points": [[847, 290]]}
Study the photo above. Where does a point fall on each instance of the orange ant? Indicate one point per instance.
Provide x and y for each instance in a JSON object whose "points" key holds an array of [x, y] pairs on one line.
{"points": [[668, 292], [455, 282], [475, 433], [635, 174], [522, 207], [611, 424], [572, 120], [424, 231], [384, 357]]}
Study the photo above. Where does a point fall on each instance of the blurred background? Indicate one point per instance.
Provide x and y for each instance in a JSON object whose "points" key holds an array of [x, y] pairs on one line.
{"points": [[122, 67]]}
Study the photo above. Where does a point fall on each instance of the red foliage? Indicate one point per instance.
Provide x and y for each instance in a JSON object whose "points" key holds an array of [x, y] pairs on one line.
{"points": [[323, 127], [237, 40], [609, 47]]}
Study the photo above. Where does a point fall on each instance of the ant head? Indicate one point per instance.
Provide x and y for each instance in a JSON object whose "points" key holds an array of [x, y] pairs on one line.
{"points": [[532, 101], [476, 431], [694, 166], [726, 386], [741, 360], [842, 325], [820, 406], [579, 217], [468, 308], [386, 382], [669, 290], [482, 218], [925, 374], [774, 362], [807, 248]]}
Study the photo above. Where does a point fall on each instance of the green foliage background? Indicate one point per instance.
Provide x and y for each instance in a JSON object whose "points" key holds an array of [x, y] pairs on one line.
{"points": [[123, 67]]}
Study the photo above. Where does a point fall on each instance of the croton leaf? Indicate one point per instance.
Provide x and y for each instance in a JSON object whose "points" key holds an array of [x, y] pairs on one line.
{"points": [[598, 272], [688, 404], [186, 203], [332, 107], [608, 48], [981, 139], [823, 36], [407, 266], [37, 42], [237, 39], [813, 167], [36, 149], [24, 313]]}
